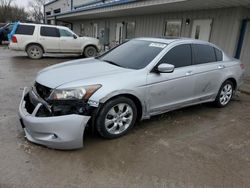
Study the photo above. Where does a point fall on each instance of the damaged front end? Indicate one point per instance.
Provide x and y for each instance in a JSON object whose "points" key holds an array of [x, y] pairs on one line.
{"points": [[58, 124]]}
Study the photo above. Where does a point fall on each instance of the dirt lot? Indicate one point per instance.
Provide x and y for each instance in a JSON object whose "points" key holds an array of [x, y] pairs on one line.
{"points": [[200, 146]]}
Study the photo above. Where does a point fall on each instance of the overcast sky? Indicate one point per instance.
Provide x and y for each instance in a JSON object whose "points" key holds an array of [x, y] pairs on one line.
{"points": [[22, 3]]}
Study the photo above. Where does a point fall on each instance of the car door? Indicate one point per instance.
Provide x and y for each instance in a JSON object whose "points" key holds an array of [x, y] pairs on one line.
{"points": [[168, 91], [49, 38], [208, 71], [69, 42]]}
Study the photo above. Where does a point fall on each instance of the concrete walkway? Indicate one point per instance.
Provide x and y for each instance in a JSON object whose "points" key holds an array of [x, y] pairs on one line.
{"points": [[245, 88]]}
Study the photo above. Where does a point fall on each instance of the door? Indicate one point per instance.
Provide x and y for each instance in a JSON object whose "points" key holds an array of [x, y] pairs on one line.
{"points": [[69, 42], [49, 38], [168, 91], [95, 30], [209, 69], [119, 33], [245, 55], [201, 29]]}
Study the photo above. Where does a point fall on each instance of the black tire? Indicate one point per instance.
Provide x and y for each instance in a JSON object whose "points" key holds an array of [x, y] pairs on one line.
{"points": [[218, 102], [103, 113], [90, 51], [34, 51]]}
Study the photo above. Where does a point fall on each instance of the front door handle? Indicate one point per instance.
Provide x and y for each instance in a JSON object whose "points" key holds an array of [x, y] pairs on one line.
{"points": [[188, 73], [221, 66]]}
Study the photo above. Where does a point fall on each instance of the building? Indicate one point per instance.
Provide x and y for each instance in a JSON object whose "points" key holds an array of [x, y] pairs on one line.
{"points": [[223, 22]]}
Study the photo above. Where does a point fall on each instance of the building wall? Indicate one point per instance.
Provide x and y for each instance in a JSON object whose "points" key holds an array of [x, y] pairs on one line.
{"points": [[224, 33], [64, 5]]}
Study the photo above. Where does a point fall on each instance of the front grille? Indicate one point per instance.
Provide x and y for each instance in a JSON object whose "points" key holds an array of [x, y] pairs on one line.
{"points": [[42, 91]]}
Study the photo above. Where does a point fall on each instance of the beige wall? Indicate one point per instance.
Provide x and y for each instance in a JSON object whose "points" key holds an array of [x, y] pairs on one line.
{"points": [[224, 33]]}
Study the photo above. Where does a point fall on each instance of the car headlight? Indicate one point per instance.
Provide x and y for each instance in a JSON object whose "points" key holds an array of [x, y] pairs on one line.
{"points": [[80, 93]]}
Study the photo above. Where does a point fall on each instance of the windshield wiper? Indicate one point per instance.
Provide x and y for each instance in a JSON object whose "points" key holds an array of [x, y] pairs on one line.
{"points": [[112, 63]]}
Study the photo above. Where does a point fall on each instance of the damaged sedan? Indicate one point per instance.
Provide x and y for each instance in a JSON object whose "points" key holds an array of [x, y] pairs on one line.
{"points": [[134, 81]]}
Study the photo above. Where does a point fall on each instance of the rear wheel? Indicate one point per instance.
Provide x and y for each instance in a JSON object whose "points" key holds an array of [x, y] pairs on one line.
{"points": [[90, 51], [225, 94], [35, 51], [116, 117]]}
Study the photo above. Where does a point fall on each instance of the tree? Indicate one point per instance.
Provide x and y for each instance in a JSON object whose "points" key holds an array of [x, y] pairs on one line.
{"points": [[36, 9], [10, 12]]}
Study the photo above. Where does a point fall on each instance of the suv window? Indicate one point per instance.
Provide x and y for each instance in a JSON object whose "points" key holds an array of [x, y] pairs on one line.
{"points": [[65, 33], [49, 32], [179, 56], [203, 53], [25, 29], [218, 54]]}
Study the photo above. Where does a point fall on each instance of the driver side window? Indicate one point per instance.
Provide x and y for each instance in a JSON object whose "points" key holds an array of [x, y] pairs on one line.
{"points": [[65, 33], [179, 56]]}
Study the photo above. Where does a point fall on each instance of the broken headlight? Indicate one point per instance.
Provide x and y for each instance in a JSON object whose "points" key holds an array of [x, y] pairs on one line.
{"points": [[80, 93]]}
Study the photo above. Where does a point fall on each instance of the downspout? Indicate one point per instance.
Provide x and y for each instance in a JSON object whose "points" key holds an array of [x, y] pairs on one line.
{"points": [[241, 37]]}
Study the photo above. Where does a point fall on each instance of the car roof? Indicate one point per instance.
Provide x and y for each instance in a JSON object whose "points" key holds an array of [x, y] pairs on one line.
{"points": [[34, 24], [168, 40]]}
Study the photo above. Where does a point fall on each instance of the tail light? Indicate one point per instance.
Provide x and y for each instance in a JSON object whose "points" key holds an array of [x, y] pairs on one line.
{"points": [[242, 66], [14, 39]]}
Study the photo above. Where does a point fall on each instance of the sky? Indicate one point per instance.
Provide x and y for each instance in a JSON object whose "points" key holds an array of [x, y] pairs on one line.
{"points": [[22, 3]]}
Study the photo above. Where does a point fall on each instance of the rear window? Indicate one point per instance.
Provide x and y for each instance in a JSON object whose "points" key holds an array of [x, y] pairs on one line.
{"points": [[203, 53], [25, 29], [218, 54], [49, 32]]}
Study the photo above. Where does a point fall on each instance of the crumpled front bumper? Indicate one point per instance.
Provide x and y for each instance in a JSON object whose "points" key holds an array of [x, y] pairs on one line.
{"points": [[58, 132]]}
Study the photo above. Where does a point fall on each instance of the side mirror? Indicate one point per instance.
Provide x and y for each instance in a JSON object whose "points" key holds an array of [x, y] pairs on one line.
{"points": [[74, 36], [165, 68]]}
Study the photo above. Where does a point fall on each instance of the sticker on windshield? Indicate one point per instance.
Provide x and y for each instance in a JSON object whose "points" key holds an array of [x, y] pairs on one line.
{"points": [[158, 45]]}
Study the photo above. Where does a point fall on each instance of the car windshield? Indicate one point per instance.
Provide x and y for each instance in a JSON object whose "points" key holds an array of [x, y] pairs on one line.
{"points": [[134, 54]]}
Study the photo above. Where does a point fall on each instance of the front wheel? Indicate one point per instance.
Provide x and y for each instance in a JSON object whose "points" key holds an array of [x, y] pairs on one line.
{"points": [[225, 94], [35, 51], [116, 117], [90, 51]]}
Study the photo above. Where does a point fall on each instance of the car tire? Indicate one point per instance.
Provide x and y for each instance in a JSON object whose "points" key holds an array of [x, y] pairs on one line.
{"points": [[225, 94], [35, 51], [116, 117], [90, 51]]}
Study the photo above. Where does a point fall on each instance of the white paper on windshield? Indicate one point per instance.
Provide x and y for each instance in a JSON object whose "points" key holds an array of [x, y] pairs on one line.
{"points": [[158, 45]]}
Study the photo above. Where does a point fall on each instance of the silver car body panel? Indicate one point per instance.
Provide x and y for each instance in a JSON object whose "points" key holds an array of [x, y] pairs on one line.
{"points": [[184, 87]]}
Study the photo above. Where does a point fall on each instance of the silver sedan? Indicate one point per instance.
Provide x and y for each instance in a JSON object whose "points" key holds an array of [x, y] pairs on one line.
{"points": [[134, 81]]}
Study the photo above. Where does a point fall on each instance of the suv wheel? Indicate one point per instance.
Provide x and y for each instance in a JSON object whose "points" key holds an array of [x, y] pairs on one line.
{"points": [[35, 51], [116, 117], [225, 94], [90, 51]]}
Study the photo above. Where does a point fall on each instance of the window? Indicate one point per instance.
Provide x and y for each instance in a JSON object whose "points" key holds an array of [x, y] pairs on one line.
{"points": [[65, 33], [218, 54], [173, 28], [56, 11], [134, 54], [48, 13], [49, 32], [203, 53], [25, 29], [179, 56], [130, 30]]}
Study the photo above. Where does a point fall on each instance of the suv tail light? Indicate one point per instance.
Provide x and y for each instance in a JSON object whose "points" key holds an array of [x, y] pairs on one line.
{"points": [[14, 39], [242, 66]]}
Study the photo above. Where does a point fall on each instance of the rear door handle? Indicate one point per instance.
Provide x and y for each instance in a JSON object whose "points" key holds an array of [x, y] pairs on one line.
{"points": [[221, 66], [188, 73]]}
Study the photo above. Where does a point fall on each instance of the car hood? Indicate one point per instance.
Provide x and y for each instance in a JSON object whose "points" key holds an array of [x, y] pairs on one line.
{"points": [[57, 75]]}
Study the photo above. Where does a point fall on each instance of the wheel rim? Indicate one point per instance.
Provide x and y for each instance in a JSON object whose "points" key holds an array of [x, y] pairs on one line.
{"points": [[226, 94], [119, 118], [35, 52], [90, 52]]}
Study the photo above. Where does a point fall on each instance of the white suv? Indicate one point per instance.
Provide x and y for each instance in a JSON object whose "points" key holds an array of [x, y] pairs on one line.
{"points": [[37, 39]]}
